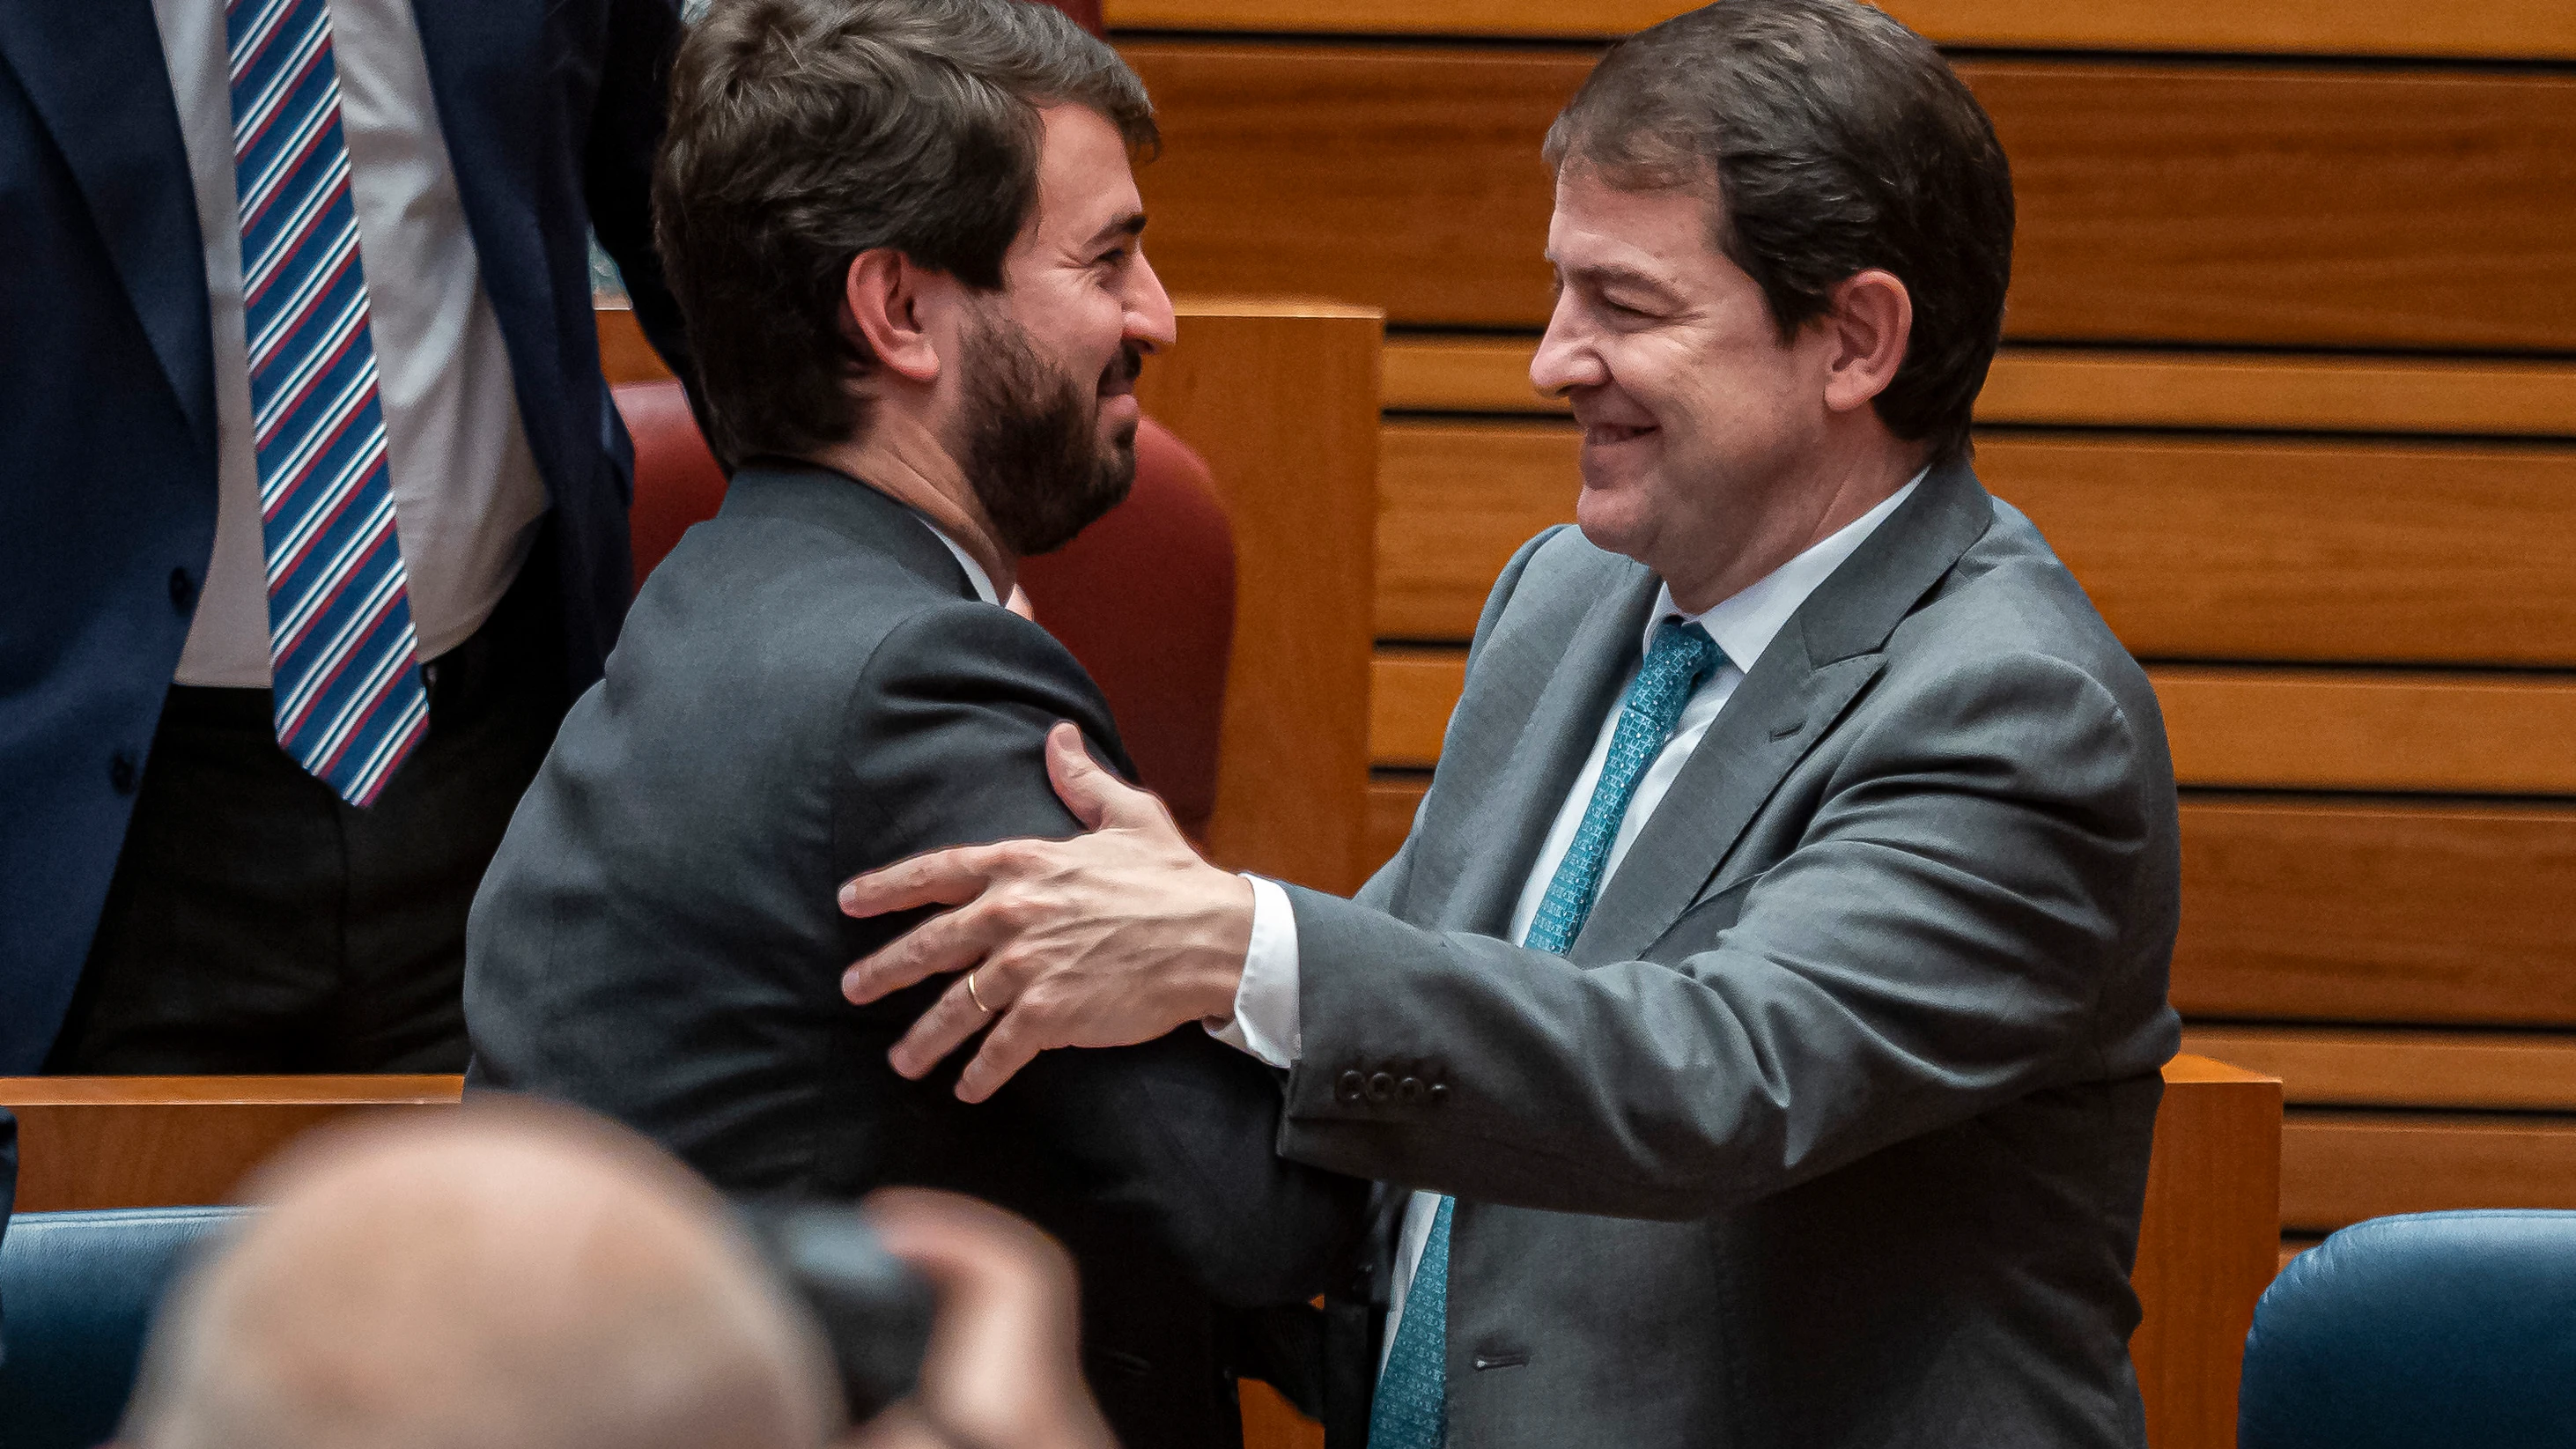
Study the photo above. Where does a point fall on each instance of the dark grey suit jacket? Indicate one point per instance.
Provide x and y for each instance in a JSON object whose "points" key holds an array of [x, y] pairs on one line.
{"points": [[1853, 1070], [807, 688]]}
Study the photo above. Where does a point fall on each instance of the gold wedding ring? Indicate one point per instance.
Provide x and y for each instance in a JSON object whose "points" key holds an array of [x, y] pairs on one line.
{"points": [[974, 995]]}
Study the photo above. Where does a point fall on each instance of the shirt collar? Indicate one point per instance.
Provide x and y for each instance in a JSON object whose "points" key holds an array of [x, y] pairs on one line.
{"points": [[1744, 624], [975, 574]]}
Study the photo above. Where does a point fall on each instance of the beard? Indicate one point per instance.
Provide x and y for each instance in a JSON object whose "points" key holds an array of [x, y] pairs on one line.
{"points": [[1032, 448]]}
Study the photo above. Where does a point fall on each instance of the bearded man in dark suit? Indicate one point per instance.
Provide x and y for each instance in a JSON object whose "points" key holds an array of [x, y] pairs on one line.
{"points": [[907, 237]]}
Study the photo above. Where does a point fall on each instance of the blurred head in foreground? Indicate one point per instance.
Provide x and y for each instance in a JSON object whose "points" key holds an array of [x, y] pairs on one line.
{"points": [[506, 1277]]}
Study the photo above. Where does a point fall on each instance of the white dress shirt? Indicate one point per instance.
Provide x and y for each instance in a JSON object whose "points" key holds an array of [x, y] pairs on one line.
{"points": [[467, 495], [1266, 1013], [975, 574]]}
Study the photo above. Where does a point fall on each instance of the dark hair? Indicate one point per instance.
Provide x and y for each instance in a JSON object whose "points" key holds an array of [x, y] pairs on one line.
{"points": [[804, 132], [1835, 140]]}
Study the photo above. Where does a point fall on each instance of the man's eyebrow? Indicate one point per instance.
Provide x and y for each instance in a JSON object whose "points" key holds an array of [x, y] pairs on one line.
{"points": [[1613, 274], [1126, 224]]}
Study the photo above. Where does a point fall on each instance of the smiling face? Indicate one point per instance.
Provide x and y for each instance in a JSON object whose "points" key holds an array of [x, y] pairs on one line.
{"points": [[1701, 427], [1045, 427]]}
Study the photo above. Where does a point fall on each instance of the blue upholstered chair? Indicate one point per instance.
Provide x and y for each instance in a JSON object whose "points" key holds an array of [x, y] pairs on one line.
{"points": [[2448, 1330], [77, 1291]]}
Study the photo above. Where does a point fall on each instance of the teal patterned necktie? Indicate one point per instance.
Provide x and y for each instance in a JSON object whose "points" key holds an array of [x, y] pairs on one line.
{"points": [[1411, 1407]]}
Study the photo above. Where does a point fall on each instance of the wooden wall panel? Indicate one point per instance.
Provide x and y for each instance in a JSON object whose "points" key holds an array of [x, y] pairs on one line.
{"points": [[2296, 392], [2395, 553], [2157, 201], [1281, 399], [1408, 180], [1455, 500], [2208, 1244], [2095, 387], [2340, 1167], [2230, 728], [1411, 692], [2262, 550], [2501, 28], [1392, 799], [2402, 1067], [2338, 912], [2328, 911], [106, 1142], [2369, 730], [2289, 208]]}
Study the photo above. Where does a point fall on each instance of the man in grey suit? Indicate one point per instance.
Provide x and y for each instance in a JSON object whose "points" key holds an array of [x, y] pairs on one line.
{"points": [[908, 230], [1835, 831]]}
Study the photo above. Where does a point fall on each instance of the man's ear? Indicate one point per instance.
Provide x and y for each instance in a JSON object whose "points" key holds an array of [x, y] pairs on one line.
{"points": [[1871, 320], [883, 296]]}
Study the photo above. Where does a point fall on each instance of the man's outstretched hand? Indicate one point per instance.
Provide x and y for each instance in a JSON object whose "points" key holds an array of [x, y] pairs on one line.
{"points": [[1108, 939]]}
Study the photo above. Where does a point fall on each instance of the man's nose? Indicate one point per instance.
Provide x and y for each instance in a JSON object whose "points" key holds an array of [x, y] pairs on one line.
{"points": [[1565, 359], [1150, 324]]}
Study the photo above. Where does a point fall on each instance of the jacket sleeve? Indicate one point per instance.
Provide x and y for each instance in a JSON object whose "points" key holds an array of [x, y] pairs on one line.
{"points": [[944, 742], [1933, 947]]}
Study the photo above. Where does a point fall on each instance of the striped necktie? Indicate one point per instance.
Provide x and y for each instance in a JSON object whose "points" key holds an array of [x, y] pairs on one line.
{"points": [[346, 684], [1410, 1410]]}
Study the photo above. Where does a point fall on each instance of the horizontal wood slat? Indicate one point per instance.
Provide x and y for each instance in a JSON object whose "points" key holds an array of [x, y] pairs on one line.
{"points": [[2360, 731], [1411, 693], [1391, 803], [2340, 912], [2361, 209], [2042, 386], [2349, 1067], [624, 354], [2258, 550], [1455, 501], [2157, 202], [2505, 29], [113, 1142], [2327, 911], [2239, 728], [2324, 553], [2093, 387], [2340, 1167]]}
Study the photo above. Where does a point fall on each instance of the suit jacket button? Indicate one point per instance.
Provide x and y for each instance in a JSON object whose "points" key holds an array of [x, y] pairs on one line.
{"points": [[1439, 1093], [1381, 1086], [1411, 1087], [1347, 1087], [123, 772], [183, 590]]}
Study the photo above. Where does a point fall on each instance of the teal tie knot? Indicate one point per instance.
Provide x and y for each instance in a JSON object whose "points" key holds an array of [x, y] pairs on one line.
{"points": [[1410, 1410]]}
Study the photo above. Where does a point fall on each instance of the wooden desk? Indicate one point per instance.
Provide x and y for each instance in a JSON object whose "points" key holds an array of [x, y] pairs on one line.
{"points": [[2206, 1247], [98, 1142]]}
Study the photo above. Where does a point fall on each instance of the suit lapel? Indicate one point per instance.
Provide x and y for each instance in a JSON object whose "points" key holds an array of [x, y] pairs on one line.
{"points": [[1798, 690], [485, 61], [96, 74], [1509, 818]]}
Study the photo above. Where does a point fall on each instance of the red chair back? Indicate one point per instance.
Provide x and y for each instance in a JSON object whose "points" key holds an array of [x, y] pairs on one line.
{"points": [[1144, 598], [677, 482]]}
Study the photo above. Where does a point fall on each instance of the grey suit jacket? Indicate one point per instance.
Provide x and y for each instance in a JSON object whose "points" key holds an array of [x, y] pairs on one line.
{"points": [[1832, 1128]]}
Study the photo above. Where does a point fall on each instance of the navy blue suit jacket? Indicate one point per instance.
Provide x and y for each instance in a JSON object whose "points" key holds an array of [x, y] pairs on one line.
{"points": [[551, 111]]}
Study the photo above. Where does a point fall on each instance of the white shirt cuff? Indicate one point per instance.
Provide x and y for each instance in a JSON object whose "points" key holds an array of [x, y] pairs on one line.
{"points": [[1265, 1020]]}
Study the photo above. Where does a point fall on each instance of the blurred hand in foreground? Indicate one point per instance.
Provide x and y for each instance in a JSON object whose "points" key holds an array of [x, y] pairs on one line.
{"points": [[1004, 1370]]}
